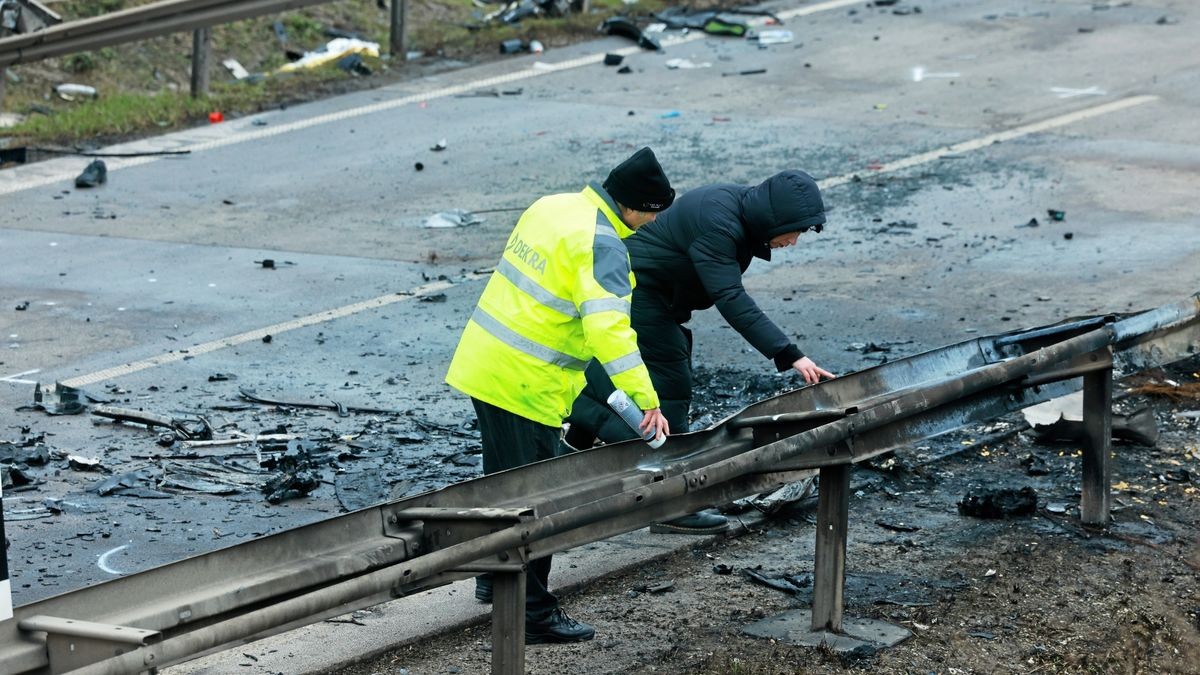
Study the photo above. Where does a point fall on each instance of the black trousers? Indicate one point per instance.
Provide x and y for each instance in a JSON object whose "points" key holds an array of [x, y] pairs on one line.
{"points": [[510, 441], [666, 348]]}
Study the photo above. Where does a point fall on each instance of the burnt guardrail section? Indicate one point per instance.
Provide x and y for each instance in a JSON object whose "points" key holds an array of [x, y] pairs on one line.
{"points": [[498, 522]]}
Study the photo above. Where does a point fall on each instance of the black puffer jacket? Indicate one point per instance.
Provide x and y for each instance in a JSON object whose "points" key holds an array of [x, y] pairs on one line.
{"points": [[695, 252]]}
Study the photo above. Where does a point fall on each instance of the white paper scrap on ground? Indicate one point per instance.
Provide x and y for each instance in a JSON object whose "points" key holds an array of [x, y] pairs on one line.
{"points": [[1067, 407]]}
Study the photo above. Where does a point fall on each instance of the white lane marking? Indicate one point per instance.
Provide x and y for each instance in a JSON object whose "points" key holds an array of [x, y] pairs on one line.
{"points": [[329, 315], [538, 69], [919, 73], [14, 378], [1064, 92], [984, 141], [102, 562], [260, 333]]}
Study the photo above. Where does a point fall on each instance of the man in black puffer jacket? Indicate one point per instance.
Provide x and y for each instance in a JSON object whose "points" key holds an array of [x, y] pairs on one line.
{"points": [[690, 258]]}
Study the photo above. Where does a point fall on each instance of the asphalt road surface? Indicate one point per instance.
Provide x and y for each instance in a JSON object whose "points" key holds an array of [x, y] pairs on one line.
{"points": [[938, 136]]}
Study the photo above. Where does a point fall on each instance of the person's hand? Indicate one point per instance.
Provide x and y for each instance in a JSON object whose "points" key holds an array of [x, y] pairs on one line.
{"points": [[812, 372], [654, 420]]}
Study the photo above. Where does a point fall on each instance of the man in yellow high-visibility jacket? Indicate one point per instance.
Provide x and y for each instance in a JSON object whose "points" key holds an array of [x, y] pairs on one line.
{"points": [[559, 297]]}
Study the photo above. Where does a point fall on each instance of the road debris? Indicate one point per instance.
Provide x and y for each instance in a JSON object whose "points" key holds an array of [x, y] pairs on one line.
{"points": [[334, 50], [1139, 427], [625, 27], [453, 218], [189, 429], [297, 475], [1000, 503], [236, 69], [340, 408], [611, 59], [1056, 214], [69, 91], [752, 71], [61, 400], [95, 174]]}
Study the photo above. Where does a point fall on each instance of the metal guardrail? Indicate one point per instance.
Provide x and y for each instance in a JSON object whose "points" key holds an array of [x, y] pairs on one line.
{"points": [[498, 522], [161, 18]]}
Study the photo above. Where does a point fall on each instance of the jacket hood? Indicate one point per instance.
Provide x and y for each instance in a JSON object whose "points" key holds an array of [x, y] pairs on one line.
{"points": [[789, 201]]}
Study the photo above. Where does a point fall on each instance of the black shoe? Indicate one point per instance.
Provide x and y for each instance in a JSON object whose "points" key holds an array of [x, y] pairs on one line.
{"points": [[483, 590], [557, 628], [702, 522], [95, 174]]}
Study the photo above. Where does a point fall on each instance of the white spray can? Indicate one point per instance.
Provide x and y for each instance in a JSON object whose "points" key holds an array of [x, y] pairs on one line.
{"points": [[628, 410]]}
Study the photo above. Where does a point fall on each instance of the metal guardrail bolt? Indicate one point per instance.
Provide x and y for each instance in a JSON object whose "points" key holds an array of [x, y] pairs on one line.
{"points": [[392, 520]]}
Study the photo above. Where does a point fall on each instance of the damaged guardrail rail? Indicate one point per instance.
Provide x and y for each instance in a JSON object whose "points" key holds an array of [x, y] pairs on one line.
{"points": [[499, 522]]}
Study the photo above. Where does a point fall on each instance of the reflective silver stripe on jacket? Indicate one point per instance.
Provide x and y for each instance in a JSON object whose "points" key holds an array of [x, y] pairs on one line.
{"points": [[605, 305], [523, 344], [610, 258], [618, 366], [535, 290]]}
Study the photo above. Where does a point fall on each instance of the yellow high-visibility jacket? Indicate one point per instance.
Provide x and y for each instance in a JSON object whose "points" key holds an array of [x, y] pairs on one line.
{"points": [[559, 297]]}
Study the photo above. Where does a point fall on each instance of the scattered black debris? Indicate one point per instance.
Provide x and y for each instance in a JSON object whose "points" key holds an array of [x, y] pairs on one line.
{"points": [[722, 569], [983, 635], [1139, 427], [792, 584], [885, 3], [1035, 465], [141, 483], [661, 587], [354, 64], [625, 70], [221, 377], [435, 297], [1056, 214], [439, 146], [611, 59], [1178, 476], [35, 454], [267, 339], [419, 166], [192, 429], [1166, 21], [752, 71], [1002, 503], [896, 527], [95, 174], [624, 27], [267, 263], [713, 22], [297, 477], [1033, 222], [513, 46], [22, 306], [252, 395], [1068, 235]]}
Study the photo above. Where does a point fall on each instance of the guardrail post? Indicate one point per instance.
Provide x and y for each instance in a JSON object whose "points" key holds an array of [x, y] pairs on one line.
{"points": [[3, 84], [396, 39], [201, 50], [829, 562], [508, 623], [1097, 445]]}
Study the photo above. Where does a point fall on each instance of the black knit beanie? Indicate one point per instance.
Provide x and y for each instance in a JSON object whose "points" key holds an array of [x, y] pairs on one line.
{"points": [[639, 183]]}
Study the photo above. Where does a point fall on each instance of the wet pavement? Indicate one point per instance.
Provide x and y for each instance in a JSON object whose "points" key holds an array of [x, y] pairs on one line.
{"points": [[167, 256]]}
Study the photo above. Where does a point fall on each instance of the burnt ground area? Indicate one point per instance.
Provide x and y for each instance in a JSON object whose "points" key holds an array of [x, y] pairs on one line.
{"points": [[1029, 593]]}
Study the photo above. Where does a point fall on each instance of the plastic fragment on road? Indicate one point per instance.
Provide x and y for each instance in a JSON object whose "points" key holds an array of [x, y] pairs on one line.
{"points": [[69, 91], [685, 64], [452, 218], [59, 400], [93, 175], [773, 37], [236, 69]]}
